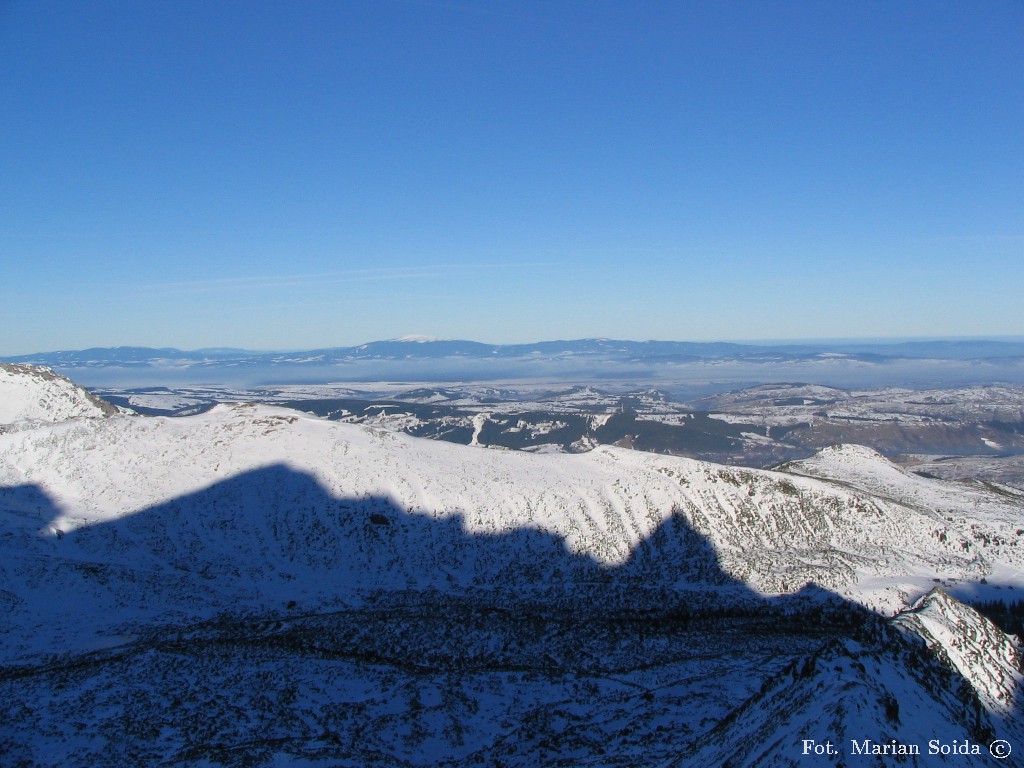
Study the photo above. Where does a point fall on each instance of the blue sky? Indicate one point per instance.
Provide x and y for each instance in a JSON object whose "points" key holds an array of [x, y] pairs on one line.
{"points": [[302, 174]]}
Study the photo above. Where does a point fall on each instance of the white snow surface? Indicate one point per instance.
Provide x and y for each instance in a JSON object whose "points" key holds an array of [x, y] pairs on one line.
{"points": [[31, 393], [419, 338], [867, 470], [272, 504], [986, 657], [120, 537]]}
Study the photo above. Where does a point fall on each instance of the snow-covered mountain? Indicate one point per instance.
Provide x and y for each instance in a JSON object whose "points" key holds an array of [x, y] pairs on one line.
{"points": [[30, 393], [253, 585]]}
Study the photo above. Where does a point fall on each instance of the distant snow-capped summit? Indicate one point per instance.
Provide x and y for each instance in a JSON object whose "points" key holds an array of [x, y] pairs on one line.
{"points": [[420, 338]]}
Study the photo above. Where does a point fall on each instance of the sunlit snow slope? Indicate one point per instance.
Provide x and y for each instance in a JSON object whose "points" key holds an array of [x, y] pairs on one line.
{"points": [[261, 505], [253, 586], [34, 394]]}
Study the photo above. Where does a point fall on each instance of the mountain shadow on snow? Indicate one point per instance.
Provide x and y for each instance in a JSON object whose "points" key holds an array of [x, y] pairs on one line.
{"points": [[264, 621]]}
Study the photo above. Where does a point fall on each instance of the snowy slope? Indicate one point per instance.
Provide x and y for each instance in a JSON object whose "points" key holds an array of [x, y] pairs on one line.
{"points": [[30, 393], [869, 471], [254, 586], [883, 698], [277, 505], [987, 658]]}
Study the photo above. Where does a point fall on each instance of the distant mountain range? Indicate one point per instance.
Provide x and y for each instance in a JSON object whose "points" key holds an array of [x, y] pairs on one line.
{"points": [[427, 359], [618, 349]]}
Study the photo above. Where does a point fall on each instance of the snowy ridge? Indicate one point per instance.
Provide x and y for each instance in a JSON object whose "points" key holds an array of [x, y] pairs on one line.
{"points": [[876, 701], [282, 506], [986, 515], [986, 657], [31, 393], [257, 586], [868, 470]]}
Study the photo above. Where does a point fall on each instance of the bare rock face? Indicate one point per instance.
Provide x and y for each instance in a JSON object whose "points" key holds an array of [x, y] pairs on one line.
{"points": [[31, 393]]}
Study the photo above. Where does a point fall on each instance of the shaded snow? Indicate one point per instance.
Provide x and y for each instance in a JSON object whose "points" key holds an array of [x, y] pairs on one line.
{"points": [[254, 584]]}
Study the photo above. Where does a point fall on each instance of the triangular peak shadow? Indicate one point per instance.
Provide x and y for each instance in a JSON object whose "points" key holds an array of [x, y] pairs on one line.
{"points": [[275, 535], [271, 551]]}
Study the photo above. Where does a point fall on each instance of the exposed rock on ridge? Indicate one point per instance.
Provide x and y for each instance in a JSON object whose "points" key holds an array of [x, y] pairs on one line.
{"points": [[30, 393]]}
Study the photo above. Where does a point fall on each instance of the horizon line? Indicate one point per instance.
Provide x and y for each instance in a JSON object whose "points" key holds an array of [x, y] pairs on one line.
{"points": [[422, 339]]}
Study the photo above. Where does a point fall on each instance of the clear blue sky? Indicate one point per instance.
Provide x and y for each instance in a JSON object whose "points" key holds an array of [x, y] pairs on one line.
{"points": [[299, 174]]}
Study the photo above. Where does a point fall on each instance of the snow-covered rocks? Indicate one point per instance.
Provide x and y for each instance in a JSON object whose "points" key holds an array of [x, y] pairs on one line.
{"points": [[986, 657], [264, 504], [255, 585], [33, 394]]}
